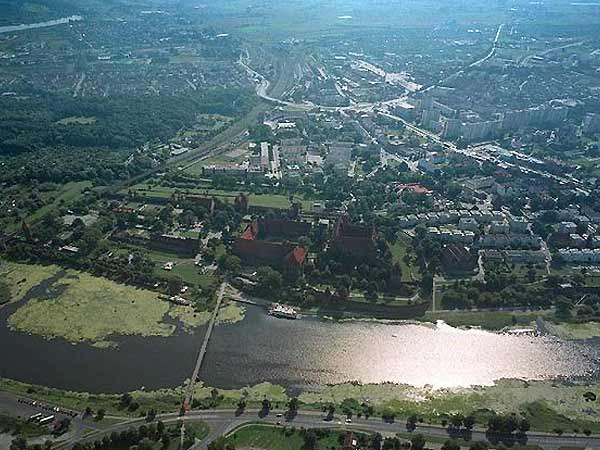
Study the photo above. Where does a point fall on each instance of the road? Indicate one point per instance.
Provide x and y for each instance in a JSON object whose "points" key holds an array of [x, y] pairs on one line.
{"points": [[525, 61], [224, 421], [492, 50]]}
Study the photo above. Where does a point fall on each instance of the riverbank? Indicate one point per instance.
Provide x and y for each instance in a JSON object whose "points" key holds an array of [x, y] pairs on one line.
{"points": [[548, 405]]}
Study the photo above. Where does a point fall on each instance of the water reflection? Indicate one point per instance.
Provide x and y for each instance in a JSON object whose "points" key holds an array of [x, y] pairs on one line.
{"points": [[296, 354], [308, 352]]}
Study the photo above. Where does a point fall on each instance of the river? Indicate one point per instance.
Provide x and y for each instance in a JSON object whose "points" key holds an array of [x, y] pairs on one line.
{"points": [[297, 354], [30, 26]]}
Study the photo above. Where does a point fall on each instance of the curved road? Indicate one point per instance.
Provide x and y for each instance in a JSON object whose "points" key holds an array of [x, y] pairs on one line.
{"points": [[222, 422]]}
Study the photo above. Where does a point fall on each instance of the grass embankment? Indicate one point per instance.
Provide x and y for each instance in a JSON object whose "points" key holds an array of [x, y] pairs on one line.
{"points": [[22, 277], [568, 330], [487, 320], [548, 406], [83, 308], [20, 427], [276, 438], [500, 320]]}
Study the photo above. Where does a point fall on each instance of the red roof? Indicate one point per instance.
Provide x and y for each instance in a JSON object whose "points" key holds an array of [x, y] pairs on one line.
{"points": [[297, 256]]}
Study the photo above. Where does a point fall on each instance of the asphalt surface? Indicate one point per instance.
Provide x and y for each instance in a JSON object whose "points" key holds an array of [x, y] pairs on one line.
{"points": [[224, 421]]}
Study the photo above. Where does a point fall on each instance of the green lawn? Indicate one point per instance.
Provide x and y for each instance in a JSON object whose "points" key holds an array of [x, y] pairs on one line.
{"points": [[544, 418], [275, 201], [279, 438], [64, 195], [184, 268], [399, 250]]}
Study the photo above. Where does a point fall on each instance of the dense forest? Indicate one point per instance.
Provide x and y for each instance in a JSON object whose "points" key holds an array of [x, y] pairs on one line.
{"points": [[49, 120]]}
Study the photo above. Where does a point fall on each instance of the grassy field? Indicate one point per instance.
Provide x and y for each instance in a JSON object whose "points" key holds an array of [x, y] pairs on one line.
{"points": [[184, 268], [399, 250], [64, 195], [566, 330], [274, 201], [22, 277], [276, 438]]}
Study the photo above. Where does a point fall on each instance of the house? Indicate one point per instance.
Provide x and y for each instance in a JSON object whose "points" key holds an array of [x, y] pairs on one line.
{"points": [[350, 441]]}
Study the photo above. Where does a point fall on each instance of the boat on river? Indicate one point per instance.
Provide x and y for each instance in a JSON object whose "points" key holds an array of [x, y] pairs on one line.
{"points": [[283, 311]]}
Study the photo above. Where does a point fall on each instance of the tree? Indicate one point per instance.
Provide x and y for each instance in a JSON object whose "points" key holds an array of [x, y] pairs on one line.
{"points": [[100, 414], [479, 445], [330, 409], [524, 425], [125, 400], [165, 441], [417, 442], [310, 441], [151, 415], [175, 285], [451, 444], [269, 280], [469, 422], [293, 404], [220, 444], [230, 263], [388, 415], [18, 443], [241, 404], [266, 405], [457, 420], [411, 422], [563, 308]]}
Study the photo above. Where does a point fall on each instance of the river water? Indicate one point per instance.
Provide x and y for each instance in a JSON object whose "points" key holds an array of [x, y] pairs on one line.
{"points": [[30, 26], [297, 354]]}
